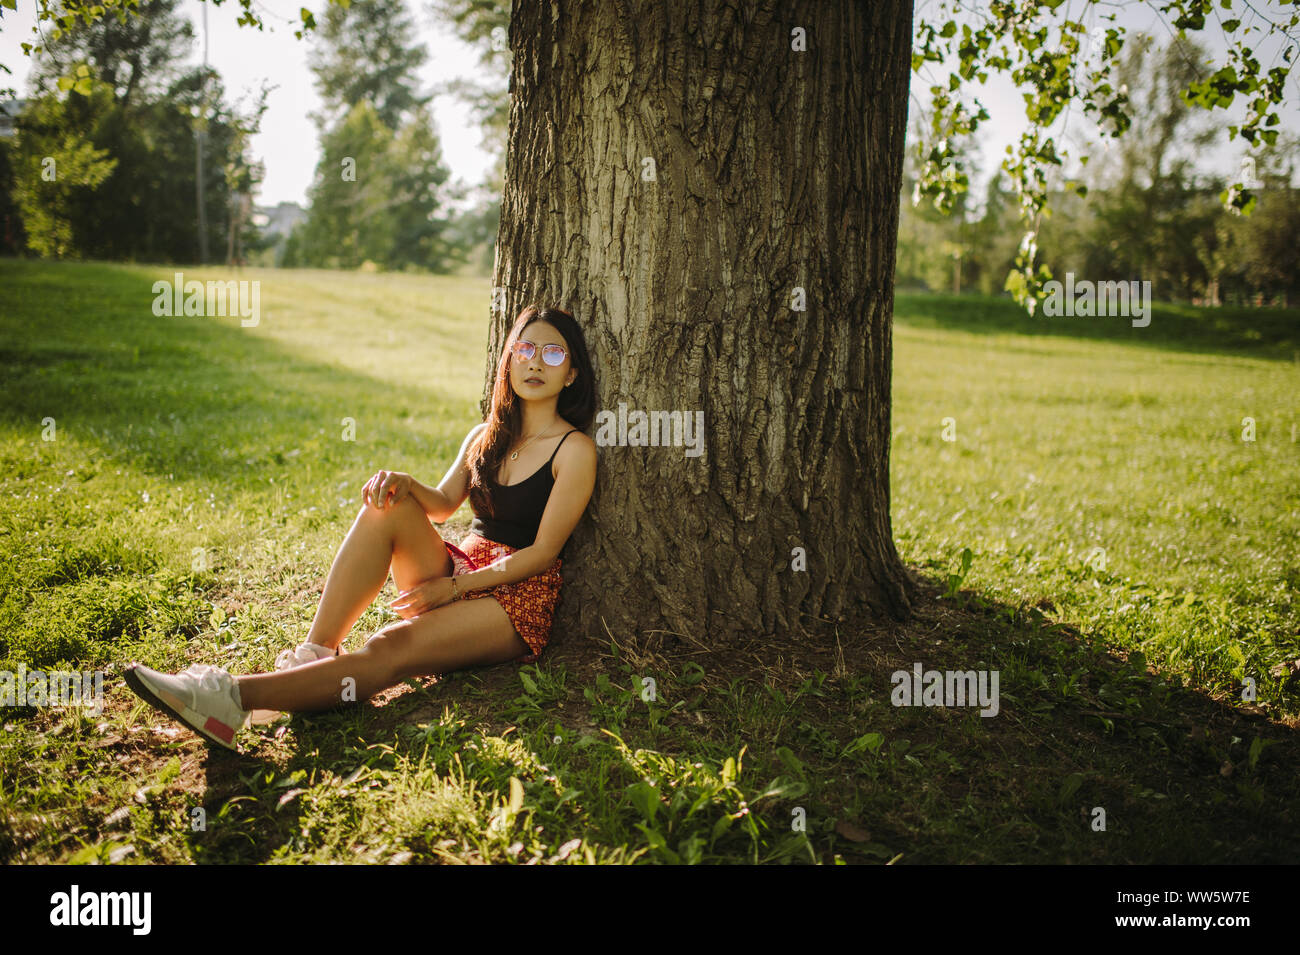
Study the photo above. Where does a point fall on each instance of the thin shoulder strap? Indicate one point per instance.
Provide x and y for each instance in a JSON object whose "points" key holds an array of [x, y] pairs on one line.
{"points": [[562, 440]]}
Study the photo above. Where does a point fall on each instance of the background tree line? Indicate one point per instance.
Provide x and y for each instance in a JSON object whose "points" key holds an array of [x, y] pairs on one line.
{"points": [[103, 165], [103, 162], [1147, 211]]}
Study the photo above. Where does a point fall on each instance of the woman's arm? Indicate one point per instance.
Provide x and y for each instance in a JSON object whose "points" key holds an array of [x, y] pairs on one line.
{"points": [[442, 501], [575, 479]]}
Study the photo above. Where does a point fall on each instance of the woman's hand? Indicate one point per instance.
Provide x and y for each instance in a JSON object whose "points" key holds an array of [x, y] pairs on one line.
{"points": [[423, 597], [386, 487]]}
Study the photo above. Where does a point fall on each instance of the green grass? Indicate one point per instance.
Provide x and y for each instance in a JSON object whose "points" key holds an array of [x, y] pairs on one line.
{"points": [[1112, 478], [199, 482]]}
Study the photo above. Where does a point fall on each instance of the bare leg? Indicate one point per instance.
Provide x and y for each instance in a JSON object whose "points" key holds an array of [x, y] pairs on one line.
{"points": [[399, 534], [460, 634]]}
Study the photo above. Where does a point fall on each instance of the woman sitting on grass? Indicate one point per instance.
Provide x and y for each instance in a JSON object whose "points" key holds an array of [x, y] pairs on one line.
{"points": [[528, 472]]}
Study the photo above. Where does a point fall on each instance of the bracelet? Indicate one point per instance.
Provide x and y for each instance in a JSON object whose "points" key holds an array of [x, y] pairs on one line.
{"points": [[454, 594]]}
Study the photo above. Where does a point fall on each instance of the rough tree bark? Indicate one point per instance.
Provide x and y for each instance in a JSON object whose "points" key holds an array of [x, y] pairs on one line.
{"points": [[678, 174]]}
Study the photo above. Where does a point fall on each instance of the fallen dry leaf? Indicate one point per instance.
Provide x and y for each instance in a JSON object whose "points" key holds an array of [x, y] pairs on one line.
{"points": [[1288, 671], [851, 832], [117, 816], [120, 853]]}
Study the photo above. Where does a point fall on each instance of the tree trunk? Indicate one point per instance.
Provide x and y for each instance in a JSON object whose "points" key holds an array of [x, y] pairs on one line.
{"points": [[719, 211]]}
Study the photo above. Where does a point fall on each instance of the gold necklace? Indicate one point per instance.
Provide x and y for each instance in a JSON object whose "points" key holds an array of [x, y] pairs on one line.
{"points": [[530, 441]]}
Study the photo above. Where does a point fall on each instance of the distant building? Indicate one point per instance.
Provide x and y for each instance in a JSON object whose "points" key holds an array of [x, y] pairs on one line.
{"points": [[9, 110], [274, 223]]}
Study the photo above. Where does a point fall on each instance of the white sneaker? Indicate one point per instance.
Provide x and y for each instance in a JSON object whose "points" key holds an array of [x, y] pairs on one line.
{"points": [[202, 697], [305, 652]]}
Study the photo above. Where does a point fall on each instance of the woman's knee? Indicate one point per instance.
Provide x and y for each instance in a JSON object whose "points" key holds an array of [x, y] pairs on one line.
{"points": [[404, 508], [391, 648]]}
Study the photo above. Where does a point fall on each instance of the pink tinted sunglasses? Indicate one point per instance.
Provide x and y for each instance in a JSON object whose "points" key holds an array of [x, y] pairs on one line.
{"points": [[551, 354]]}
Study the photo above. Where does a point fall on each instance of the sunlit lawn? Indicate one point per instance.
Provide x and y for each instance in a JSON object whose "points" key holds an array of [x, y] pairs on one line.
{"points": [[198, 477]]}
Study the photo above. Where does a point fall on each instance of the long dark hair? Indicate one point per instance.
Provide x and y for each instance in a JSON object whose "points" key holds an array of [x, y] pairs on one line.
{"points": [[576, 403]]}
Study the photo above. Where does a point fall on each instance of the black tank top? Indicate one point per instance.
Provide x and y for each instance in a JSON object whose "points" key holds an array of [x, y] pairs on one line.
{"points": [[518, 507]]}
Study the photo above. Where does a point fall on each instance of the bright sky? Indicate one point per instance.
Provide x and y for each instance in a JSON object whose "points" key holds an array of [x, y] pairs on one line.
{"points": [[288, 142]]}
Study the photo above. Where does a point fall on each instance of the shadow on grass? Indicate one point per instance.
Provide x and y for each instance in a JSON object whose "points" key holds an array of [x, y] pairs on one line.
{"points": [[1083, 736], [1182, 777], [1265, 333], [255, 797], [190, 396]]}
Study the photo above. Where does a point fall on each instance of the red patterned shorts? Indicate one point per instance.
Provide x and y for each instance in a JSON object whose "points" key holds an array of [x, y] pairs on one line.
{"points": [[529, 603]]}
